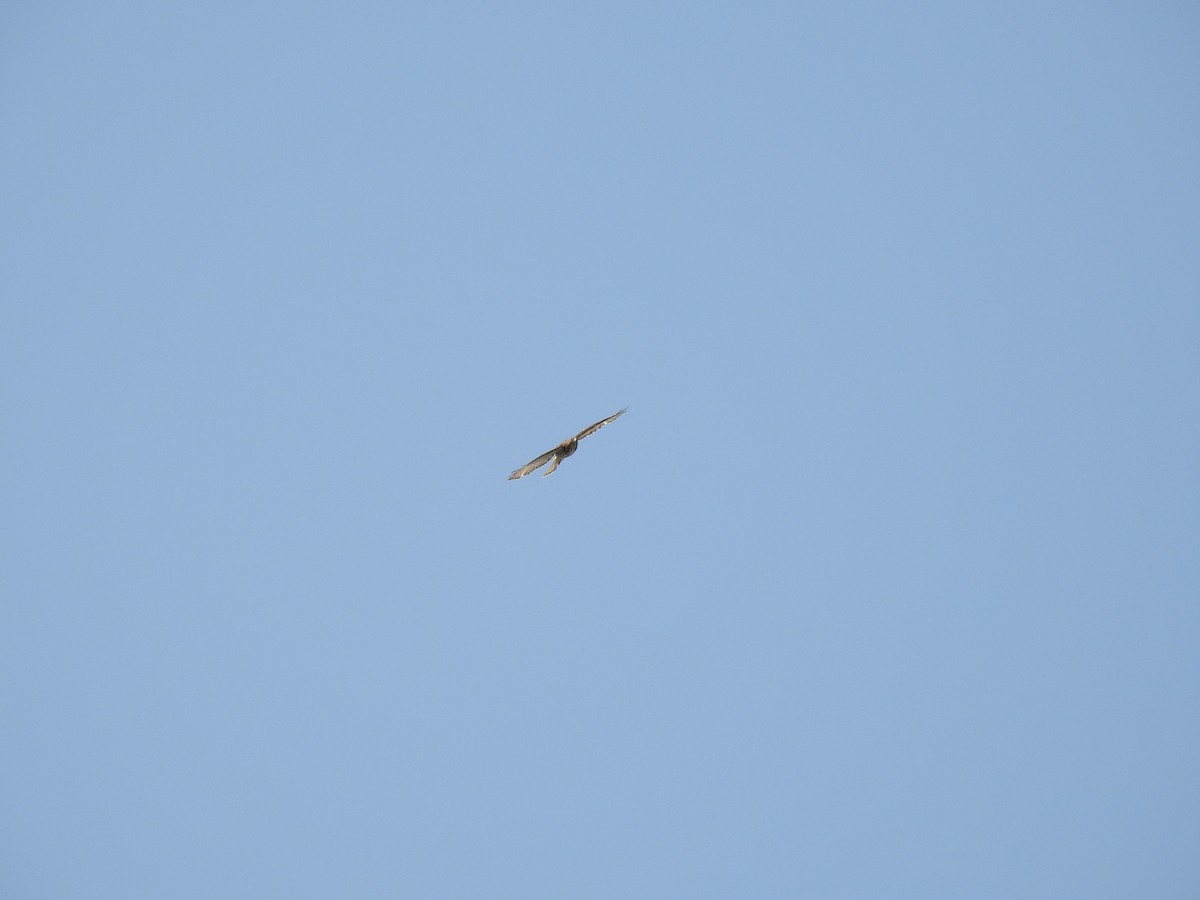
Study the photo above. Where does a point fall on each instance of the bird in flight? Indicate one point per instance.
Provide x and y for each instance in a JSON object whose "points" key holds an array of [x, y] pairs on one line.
{"points": [[562, 451]]}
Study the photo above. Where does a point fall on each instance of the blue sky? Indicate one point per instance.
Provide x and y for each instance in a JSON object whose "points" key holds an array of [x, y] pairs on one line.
{"points": [[886, 585]]}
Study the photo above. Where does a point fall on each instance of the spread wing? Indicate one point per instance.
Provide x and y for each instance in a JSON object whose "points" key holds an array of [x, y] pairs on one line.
{"points": [[534, 464], [592, 429]]}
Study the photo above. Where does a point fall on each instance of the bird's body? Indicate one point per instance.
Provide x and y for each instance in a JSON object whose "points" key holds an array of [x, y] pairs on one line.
{"points": [[562, 451]]}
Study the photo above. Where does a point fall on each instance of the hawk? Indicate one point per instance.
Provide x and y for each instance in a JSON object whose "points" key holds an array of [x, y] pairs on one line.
{"points": [[562, 451]]}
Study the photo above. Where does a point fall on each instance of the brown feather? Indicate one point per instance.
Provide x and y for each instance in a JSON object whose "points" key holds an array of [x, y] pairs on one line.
{"points": [[556, 453]]}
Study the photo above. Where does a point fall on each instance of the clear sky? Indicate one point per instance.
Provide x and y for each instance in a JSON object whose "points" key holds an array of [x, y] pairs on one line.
{"points": [[887, 584]]}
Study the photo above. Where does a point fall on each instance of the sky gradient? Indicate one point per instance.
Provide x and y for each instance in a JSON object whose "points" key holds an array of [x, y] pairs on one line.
{"points": [[887, 585]]}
